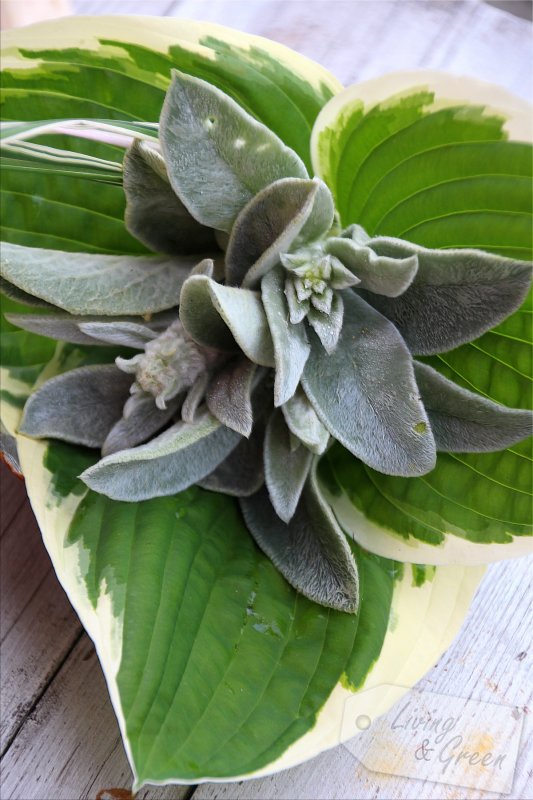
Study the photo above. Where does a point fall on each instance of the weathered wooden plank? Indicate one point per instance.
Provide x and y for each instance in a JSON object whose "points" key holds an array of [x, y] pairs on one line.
{"points": [[486, 662], [12, 496]]}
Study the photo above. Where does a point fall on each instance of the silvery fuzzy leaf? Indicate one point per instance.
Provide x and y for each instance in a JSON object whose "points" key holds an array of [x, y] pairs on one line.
{"points": [[14, 293], [266, 227], [154, 214], [56, 326], [9, 452], [311, 552], [465, 422], [341, 277], [303, 422], [80, 406], [125, 334], [381, 274], [226, 319], [141, 419], [297, 308], [241, 474], [357, 234], [194, 397], [217, 155], [205, 267], [322, 215], [286, 467], [291, 348], [328, 326], [170, 463], [90, 283], [366, 395], [322, 302], [229, 396], [457, 295]]}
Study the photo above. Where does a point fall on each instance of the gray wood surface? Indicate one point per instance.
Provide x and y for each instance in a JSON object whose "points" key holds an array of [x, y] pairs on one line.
{"points": [[59, 738]]}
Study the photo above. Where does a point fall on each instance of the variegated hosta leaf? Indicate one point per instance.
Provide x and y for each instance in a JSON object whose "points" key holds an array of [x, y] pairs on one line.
{"points": [[170, 463], [287, 464], [291, 346], [241, 473], [88, 283], [311, 550], [303, 422], [266, 227], [80, 406], [378, 273], [140, 420], [455, 296], [464, 422], [217, 155], [365, 394], [226, 318], [154, 213], [129, 569], [229, 396]]}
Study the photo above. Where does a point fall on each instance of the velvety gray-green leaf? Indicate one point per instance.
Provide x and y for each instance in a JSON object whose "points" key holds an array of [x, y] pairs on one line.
{"points": [[226, 318], [266, 227], [194, 397], [311, 552], [366, 395], [456, 296], [170, 463], [241, 474], [125, 334], [154, 213], [291, 347], [303, 422], [217, 155], [322, 214], [141, 419], [90, 283], [80, 406], [328, 326], [287, 464], [229, 396], [57, 326], [14, 293], [465, 422], [378, 273]]}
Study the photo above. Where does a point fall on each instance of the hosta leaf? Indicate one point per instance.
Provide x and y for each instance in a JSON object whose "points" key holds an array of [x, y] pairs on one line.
{"points": [[85, 283], [226, 318], [173, 461], [365, 394], [218, 157], [291, 347], [302, 420], [266, 227], [80, 406], [410, 156], [465, 422], [287, 464], [154, 213]]}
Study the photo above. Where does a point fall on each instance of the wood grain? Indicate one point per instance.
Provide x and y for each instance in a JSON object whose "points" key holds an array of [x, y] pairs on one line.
{"points": [[59, 733]]}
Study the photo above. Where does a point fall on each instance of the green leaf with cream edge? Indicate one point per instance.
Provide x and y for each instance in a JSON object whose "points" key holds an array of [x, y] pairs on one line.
{"points": [[444, 162]]}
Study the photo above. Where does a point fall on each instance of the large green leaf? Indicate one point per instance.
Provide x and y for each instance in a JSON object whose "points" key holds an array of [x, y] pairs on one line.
{"points": [[216, 667], [423, 156]]}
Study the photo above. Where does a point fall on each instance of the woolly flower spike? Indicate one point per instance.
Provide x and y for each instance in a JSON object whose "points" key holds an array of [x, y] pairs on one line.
{"points": [[304, 334]]}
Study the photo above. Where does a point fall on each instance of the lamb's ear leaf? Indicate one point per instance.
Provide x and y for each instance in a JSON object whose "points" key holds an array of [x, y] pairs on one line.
{"points": [[465, 422], [120, 333], [311, 551], [57, 326], [266, 227], [241, 473], [80, 406], [217, 155], [328, 326], [229, 396], [366, 395], [14, 293], [90, 283], [140, 420], [322, 215], [170, 463], [154, 213], [287, 465], [303, 422], [291, 346], [226, 318], [378, 273], [456, 296]]}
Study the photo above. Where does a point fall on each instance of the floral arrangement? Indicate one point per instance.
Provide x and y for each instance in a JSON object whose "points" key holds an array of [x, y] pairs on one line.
{"points": [[226, 402]]}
